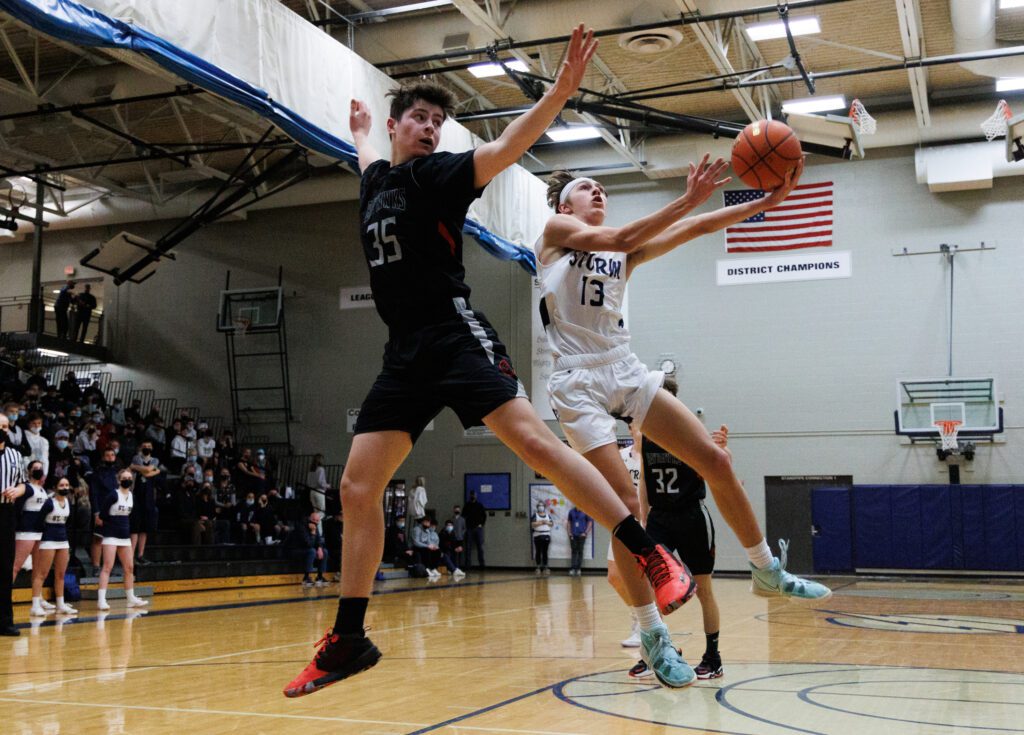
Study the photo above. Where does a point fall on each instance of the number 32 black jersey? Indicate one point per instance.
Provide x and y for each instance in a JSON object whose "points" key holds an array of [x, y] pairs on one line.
{"points": [[411, 218], [671, 483]]}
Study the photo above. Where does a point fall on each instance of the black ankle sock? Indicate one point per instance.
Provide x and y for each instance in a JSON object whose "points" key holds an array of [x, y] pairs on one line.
{"points": [[351, 613], [633, 536], [712, 646]]}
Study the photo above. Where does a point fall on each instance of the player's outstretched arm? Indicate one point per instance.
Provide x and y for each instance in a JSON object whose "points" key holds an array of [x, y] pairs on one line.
{"points": [[564, 231], [490, 159], [359, 122], [702, 224]]}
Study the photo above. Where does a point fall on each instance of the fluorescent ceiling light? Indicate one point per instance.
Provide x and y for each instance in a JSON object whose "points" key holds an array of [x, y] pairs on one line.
{"points": [[1008, 4], [578, 132], [776, 29], [815, 104], [481, 71], [53, 353], [1010, 84]]}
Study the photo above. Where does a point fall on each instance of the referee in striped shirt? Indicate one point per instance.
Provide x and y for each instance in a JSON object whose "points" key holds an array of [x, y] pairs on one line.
{"points": [[12, 487]]}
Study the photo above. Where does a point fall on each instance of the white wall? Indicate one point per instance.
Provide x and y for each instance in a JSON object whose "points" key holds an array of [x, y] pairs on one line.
{"points": [[804, 374]]}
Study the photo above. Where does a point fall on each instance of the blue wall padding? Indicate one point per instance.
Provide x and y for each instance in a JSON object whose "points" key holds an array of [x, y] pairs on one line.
{"points": [[872, 526], [1000, 527], [936, 504], [906, 526], [831, 514], [972, 529]]}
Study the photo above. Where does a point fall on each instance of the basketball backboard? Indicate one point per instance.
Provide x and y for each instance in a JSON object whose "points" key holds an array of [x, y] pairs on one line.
{"points": [[122, 252], [1015, 138], [923, 402], [831, 135], [249, 309]]}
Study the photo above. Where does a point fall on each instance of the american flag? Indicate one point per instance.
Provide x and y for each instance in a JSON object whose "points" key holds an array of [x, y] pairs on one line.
{"points": [[803, 220]]}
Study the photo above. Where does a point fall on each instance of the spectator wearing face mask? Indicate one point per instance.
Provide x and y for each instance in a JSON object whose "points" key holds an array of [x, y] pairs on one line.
{"points": [[179, 449], [246, 518], [206, 445], [459, 533], [29, 528], [427, 545], [61, 456], [145, 510], [54, 551], [115, 510], [269, 522], [397, 545], [39, 447], [15, 434], [85, 443], [117, 417], [311, 546], [451, 549]]}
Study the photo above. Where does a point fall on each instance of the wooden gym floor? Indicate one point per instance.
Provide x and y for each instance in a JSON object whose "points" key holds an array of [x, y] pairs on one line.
{"points": [[511, 653]]}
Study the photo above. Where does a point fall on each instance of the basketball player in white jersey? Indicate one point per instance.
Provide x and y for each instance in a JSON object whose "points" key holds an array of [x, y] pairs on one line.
{"points": [[584, 267]]}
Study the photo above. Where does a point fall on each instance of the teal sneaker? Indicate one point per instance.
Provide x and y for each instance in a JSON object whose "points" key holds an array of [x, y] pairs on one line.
{"points": [[664, 659], [775, 581]]}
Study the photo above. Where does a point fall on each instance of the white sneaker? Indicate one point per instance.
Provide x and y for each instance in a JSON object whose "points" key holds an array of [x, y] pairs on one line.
{"points": [[38, 611], [433, 574], [458, 574], [66, 609], [633, 641], [104, 605], [137, 602], [48, 605], [321, 583]]}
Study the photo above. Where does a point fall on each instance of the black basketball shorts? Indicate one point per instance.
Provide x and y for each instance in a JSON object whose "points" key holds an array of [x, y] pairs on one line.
{"points": [[460, 364], [688, 531]]}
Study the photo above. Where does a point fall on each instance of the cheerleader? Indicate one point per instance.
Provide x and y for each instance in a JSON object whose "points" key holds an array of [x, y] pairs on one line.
{"points": [[115, 510], [29, 529], [54, 550]]}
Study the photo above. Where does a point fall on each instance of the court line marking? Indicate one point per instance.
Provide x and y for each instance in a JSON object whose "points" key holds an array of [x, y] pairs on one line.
{"points": [[61, 682], [200, 711]]}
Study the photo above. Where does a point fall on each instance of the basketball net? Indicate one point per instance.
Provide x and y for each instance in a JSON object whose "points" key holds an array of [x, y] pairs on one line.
{"points": [[242, 325], [995, 126], [865, 124], [948, 431]]}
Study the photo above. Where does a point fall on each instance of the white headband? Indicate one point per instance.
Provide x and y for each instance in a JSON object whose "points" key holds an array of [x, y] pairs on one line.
{"points": [[567, 189]]}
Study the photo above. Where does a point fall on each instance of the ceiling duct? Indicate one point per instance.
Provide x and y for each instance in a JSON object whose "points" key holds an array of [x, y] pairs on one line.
{"points": [[975, 24], [652, 40]]}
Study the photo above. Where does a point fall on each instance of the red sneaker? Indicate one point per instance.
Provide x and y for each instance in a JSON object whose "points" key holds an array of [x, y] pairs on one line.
{"points": [[339, 657], [673, 585]]}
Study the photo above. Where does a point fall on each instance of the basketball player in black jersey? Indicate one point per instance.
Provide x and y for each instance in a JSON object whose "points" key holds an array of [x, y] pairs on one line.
{"points": [[441, 352], [673, 503]]}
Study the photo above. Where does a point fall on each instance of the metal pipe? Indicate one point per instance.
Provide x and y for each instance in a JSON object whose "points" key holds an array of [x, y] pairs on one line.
{"points": [[691, 19], [35, 317]]}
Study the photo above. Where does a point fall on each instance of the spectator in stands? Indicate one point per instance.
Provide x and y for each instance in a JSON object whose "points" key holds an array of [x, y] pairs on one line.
{"points": [[268, 521], [70, 390], [206, 446], [129, 441], [310, 543], [51, 402], [61, 456], [117, 414], [145, 511], [85, 444], [94, 395], [223, 503], [265, 465], [476, 517], [102, 482], [37, 380], [246, 518], [53, 551], [206, 514], [115, 510], [227, 446], [580, 526], [61, 307], [224, 491], [459, 534], [190, 429], [179, 448], [418, 499], [397, 545], [318, 486], [84, 305], [427, 545], [15, 434], [451, 549], [38, 445], [247, 477], [192, 467], [156, 434], [133, 413]]}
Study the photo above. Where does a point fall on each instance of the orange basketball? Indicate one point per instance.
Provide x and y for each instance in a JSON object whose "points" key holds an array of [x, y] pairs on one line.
{"points": [[764, 152]]}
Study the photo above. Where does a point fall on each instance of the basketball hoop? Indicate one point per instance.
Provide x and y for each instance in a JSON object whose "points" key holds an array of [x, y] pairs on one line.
{"points": [[948, 431], [242, 324], [995, 126], [862, 121]]}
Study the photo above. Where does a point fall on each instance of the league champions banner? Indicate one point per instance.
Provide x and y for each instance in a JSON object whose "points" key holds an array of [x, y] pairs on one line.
{"points": [[558, 507]]}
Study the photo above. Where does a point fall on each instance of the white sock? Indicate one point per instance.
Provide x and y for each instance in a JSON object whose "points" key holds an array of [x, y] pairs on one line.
{"points": [[60, 602], [760, 555], [129, 593], [101, 596], [647, 615], [37, 602]]}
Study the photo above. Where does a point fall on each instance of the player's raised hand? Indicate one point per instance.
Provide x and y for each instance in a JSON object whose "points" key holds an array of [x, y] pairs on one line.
{"points": [[721, 436], [359, 117], [703, 179], [581, 49], [777, 196]]}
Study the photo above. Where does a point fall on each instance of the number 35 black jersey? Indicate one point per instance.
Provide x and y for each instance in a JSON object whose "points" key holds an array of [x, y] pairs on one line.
{"points": [[671, 483], [411, 218]]}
